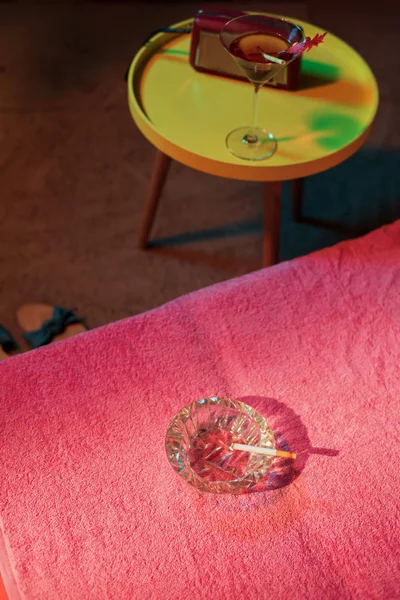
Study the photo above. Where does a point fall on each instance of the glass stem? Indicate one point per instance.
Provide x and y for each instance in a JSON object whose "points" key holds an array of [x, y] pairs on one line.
{"points": [[257, 87]]}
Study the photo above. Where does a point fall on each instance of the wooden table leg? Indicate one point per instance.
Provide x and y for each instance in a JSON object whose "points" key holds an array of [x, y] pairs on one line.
{"points": [[297, 198], [160, 173], [272, 222]]}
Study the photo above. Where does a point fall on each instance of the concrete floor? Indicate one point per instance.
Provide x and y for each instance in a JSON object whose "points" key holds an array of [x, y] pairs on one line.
{"points": [[74, 169]]}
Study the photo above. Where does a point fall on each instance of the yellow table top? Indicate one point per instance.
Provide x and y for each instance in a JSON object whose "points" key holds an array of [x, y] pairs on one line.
{"points": [[187, 114]]}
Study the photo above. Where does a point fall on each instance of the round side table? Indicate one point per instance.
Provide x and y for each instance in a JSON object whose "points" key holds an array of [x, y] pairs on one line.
{"points": [[186, 115]]}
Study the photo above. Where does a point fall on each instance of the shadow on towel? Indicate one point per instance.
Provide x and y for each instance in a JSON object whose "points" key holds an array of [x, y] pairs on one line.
{"points": [[291, 435]]}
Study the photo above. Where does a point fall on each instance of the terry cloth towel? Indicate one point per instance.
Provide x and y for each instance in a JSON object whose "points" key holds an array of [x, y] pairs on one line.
{"points": [[90, 508]]}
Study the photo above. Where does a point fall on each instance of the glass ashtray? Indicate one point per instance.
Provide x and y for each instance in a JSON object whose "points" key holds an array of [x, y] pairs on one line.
{"points": [[199, 445]]}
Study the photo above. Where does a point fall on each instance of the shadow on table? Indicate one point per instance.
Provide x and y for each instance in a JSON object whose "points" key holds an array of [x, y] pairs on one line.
{"points": [[290, 435], [349, 200], [315, 74]]}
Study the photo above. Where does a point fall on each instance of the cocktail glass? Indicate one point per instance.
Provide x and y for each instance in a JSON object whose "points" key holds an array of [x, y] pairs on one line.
{"points": [[261, 46]]}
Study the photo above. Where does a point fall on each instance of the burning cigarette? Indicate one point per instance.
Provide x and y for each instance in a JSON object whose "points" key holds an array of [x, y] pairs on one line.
{"points": [[266, 451]]}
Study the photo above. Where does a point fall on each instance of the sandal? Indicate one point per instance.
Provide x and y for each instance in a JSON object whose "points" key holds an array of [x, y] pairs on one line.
{"points": [[8, 346], [43, 323]]}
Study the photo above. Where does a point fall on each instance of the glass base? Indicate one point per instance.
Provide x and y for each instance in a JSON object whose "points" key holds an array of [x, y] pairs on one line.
{"points": [[251, 143]]}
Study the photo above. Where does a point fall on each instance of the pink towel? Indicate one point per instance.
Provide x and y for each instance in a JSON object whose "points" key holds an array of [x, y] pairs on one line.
{"points": [[90, 507]]}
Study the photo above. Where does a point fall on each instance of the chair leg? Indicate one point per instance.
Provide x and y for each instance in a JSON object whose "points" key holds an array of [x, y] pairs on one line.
{"points": [[272, 222], [297, 198], [160, 173]]}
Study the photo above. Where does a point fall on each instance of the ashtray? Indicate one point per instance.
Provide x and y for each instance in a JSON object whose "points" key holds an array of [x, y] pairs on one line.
{"points": [[200, 439]]}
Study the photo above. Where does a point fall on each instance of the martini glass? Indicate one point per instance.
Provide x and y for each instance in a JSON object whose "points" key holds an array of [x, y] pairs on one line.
{"points": [[260, 46]]}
